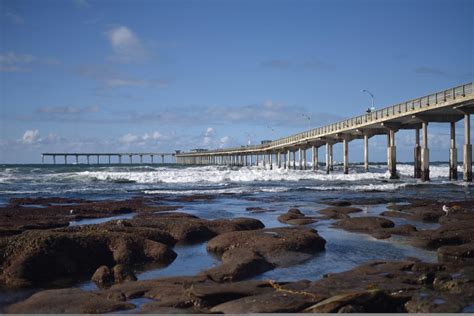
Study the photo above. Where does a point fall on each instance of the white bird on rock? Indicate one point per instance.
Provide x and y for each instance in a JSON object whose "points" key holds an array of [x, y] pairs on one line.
{"points": [[446, 210]]}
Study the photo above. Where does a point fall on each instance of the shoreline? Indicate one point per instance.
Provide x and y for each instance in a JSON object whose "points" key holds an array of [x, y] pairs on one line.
{"points": [[161, 223]]}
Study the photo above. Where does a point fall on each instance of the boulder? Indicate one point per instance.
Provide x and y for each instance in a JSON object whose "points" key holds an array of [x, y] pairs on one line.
{"points": [[371, 301], [67, 301], [103, 277], [338, 212], [247, 253], [295, 217], [461, 253]]}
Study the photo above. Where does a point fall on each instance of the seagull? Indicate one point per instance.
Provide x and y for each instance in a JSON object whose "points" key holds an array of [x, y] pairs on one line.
{"points": [[446, 210], [71, 212]]}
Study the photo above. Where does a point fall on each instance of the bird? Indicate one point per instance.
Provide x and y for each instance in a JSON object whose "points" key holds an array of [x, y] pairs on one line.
{"points": [[446, 210], [71, 212]]}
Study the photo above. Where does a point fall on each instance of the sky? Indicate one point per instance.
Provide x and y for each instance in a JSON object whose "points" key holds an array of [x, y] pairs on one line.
{"points": [[143, 75]]}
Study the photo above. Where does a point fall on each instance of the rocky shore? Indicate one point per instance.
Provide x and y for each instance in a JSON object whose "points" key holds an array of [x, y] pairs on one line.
{"points": [[38, 247]]}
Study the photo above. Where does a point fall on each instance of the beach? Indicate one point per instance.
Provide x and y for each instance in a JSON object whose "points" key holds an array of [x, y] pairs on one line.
{"points": [[167, 238]]}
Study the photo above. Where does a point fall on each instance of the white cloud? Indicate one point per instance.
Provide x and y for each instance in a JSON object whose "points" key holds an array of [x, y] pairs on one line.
{"points": [[209, 132], [13, 62], [152, 136], [126, 46], [129, 138], [30, 136]]}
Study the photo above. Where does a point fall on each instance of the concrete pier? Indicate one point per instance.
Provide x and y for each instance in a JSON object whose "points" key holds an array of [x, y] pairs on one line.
{"points": [[392, 155], [331, 160], [346, 155], [300, 157], [366, 152], [467, 152], [446, 106], [453, 153], [304, 159], [327, 159], [270, 161], [425, 153], [109, 156], [417, 155], [314, 156]]}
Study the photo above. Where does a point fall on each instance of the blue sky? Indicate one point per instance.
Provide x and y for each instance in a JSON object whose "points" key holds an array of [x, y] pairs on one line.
{"points": [[85, 75]]}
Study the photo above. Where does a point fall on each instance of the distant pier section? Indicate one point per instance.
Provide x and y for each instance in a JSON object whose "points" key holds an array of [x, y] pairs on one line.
{"points": [[110, 158]]}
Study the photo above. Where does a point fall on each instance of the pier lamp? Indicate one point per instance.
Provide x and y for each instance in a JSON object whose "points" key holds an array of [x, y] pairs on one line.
{"points": [[372, 97]]}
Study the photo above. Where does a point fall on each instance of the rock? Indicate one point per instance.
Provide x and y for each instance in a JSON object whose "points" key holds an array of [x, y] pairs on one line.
{"points": [[433, 303], [103, 277], [246, 253], [449, 234], [337, 212], [67, 301], [371, 301], [209, 294], [301, 221], [258, 210], [364, 224], [275, 302], [295, 217], [123, 273], [38, 257], [461, 253], [238, 264]]}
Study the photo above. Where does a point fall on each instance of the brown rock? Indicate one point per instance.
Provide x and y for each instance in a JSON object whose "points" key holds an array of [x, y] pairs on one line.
{"points": [[461, 253], [123, 273], [67, 301], [103, 277], [337, 212], [371, 301]]}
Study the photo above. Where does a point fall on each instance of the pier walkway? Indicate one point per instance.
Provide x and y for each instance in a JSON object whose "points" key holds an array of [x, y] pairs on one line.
{"points": [[107, 155], [447, 106]]}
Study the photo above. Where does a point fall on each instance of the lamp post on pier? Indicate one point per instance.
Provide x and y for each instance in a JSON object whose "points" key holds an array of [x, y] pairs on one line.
{"points": [[372, 97]]}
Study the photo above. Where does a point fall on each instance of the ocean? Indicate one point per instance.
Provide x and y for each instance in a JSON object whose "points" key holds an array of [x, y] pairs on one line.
{"points": [[238, 188]]}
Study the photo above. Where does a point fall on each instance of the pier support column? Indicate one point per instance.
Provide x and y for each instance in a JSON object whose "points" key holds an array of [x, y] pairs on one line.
{"points": [[42, 159], [366, 153], [264, 160], [97, 159], [141, 158], [251, 160], [304, 159], [300, 157], [88, 162], [65, 159], [417, 155], [314, 157], [109, 159], [331, 158], [346, 155], [120, 159], [162, 159], [131, 159], [288, 159], [392, 155], [425, 153], [327, 158], [270, 160], [284, 160], [467, 154], [294, 160], [151, 158], [453, 153], [279, 160]]}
